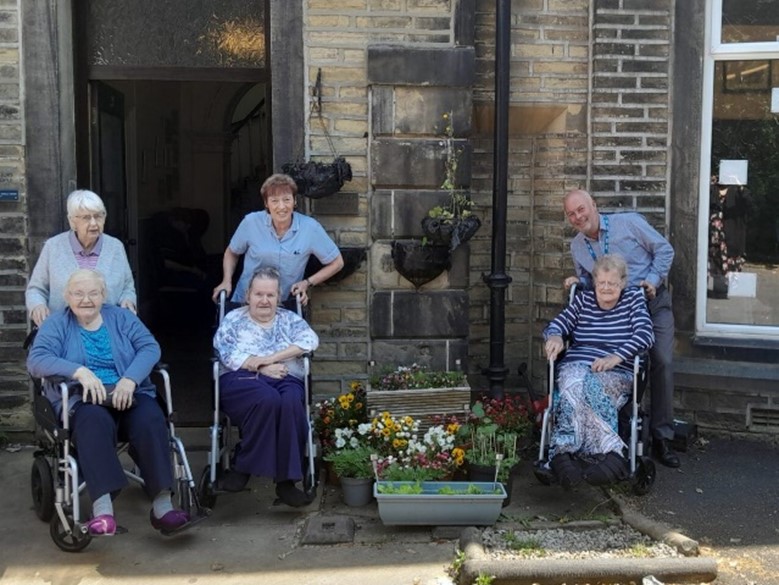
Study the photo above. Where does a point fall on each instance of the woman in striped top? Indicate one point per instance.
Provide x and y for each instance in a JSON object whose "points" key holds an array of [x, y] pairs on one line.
{"points": [[607, 328]]}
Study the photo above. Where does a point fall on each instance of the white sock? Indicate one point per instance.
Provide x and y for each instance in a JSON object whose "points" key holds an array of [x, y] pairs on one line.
{"points": [[162, 504], [103, 505]]}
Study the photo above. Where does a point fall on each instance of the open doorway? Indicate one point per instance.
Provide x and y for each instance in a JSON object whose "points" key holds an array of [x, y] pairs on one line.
{"points": [[195, 155]]}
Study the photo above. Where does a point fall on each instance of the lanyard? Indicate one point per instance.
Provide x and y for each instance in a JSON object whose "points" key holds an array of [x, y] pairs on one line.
{"points": [[605, 230]]}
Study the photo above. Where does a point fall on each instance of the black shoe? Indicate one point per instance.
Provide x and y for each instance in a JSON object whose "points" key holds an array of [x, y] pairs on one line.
{"points": [[662, 452], [233, 481], [568, 471], [291, 495], [611, 468]]}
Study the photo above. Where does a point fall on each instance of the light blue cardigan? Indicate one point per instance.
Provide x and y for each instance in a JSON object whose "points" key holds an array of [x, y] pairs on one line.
{"points": [[59, 351], [57, 262]]}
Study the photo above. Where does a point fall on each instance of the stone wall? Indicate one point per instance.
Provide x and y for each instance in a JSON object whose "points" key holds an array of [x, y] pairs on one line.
{"points": [[14, 405], [589, 108], [388, 70]]}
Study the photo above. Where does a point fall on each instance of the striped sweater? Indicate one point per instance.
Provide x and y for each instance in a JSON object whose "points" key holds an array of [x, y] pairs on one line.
{"points": [[624, 330]]}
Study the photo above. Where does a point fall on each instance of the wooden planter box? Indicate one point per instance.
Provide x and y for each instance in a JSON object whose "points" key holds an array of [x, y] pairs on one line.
{"points": [[420, 403]]}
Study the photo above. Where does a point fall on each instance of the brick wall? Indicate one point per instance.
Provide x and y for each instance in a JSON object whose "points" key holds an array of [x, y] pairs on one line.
{"points": [[589, 108], [14, 407]]}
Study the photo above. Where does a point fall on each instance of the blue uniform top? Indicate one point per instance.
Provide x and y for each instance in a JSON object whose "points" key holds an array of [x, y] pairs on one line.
{"points": [[256, 238], [648, 254]]}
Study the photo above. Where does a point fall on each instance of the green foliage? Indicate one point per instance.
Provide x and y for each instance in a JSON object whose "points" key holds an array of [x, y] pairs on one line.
{"points": [[352, 462], [390, 488], [459, 203], [483, 579], [453, 571], [518, 544], [416, 376]]}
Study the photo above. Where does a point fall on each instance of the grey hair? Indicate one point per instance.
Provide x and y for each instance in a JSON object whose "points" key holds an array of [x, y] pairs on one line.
{"points": [[611, 262], [86, 200], [86, 274], [264, 273]]}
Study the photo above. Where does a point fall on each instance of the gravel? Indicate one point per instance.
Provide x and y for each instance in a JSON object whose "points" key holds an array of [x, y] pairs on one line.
{"points": [[614, 541]]}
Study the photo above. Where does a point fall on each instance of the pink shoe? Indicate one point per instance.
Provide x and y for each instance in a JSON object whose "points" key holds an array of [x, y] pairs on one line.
{"points": [[170, 522], [103, 525]]}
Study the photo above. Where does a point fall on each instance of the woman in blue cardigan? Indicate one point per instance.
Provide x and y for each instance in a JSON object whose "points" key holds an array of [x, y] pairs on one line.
{"points": [[110, 353]]}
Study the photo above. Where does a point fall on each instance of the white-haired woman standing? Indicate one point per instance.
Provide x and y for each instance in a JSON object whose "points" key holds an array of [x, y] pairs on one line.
{"points": [[83, 246]]}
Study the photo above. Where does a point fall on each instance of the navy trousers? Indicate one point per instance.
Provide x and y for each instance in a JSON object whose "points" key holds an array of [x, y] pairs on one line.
{"points": [[661, 372], [271, 416], [96, 432]]}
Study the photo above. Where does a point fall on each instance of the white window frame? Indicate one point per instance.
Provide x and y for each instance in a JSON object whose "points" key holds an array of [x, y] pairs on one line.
{"points": [[718, 51]]}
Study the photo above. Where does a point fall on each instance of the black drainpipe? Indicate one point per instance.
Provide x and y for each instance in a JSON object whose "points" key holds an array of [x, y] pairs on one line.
{"points": [[498, 280]]}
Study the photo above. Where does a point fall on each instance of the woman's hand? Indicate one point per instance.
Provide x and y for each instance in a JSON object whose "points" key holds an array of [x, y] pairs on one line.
{"points": [[277, 371], [607, 363], [94, 391], [254, 362], [225, 285], [553, 346], [301, 289], [39, 314], [129, 305], [122, 396], [570, 281]]}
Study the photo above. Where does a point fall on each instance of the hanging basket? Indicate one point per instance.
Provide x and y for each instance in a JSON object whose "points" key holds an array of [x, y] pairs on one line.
{"points": [[317, 180], [353, 257], [420, 263], [451, 232]]}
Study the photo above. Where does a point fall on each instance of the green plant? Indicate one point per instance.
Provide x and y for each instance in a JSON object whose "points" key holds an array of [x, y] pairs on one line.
{"points": [[517, 544], [352, 461], [453, 571], [459, 204], [347, 411], [483, 579], [406, 488], [416, 376]]}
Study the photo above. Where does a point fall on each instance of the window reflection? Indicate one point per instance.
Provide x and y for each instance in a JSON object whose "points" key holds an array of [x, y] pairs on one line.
{"points": [[743, 258], [750, 21]]}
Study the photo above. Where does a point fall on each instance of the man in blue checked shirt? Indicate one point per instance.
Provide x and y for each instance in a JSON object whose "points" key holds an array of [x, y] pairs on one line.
{"points": [[649, 257]]}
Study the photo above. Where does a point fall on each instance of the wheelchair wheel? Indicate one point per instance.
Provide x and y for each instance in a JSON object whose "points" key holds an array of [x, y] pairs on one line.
{"points": [[645, 476], [205, 489], [42, 488], [76, 541]]}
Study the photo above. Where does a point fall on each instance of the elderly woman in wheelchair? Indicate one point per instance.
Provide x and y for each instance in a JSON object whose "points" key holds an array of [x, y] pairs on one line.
{"points": [[262, 388], [606, 328], [111, 354]]}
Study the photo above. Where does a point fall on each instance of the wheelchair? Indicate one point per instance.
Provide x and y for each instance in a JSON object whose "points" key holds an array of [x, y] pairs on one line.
{"points": [[633, 426], [222, 432], [56, 485]]}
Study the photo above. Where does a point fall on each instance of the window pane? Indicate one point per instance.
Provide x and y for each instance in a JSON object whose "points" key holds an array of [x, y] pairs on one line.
{"points": [[743, 260], [181, 33], [750, 21]]}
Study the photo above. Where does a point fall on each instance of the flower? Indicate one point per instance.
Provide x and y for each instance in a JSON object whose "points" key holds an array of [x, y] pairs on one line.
{"points": [[416, 376], [510, 413], [495, 427], [403, 455], [351, 451], [347, 411]]}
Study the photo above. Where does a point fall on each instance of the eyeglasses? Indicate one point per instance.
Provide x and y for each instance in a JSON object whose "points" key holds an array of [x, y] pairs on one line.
{"points": [[605, 284], [98, 217], [80, 295]]}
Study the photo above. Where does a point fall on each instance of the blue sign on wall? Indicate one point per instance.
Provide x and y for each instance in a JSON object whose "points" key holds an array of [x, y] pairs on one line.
{"points": [[9, 195]]}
